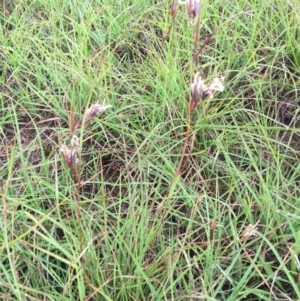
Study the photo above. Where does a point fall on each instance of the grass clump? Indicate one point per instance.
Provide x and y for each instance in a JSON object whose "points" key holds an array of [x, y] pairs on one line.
{"points": [[178, 193]]}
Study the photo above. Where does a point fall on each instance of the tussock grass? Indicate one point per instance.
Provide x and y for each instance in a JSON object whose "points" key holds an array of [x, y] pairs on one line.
{"points": [[227, 228]]}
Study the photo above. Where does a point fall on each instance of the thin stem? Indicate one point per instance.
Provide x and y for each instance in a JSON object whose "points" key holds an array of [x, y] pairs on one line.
{"points": [[182, 163]]}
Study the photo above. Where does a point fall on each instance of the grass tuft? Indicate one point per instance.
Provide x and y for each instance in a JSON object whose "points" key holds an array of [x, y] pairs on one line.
{"points": [[180, 194]]}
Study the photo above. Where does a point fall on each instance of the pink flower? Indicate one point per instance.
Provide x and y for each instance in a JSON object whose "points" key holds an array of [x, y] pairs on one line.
{"points": [[193, 9], [92, 112]]}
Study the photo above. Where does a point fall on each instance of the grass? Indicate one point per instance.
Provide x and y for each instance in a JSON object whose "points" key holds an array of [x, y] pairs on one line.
{"points": [[226, 227]]}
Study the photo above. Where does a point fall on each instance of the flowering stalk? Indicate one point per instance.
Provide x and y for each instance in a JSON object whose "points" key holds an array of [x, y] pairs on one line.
{"points": [[194, 11], [71, 155], [199, 92], [173, 9]]}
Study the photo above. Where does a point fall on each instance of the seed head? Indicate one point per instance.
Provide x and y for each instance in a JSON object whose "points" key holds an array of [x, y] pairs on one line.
{"points": [[197, 86], [193, 10], [200, 91], [214, 87], [67, 155], [250, 231], [173, 9], [92, 112]]}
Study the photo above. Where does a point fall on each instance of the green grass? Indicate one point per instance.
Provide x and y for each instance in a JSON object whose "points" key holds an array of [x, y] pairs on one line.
{"points": [[137, 230]]}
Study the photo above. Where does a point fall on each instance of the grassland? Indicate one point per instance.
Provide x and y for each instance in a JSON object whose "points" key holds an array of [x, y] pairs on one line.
{"points": [[170, 205]]}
